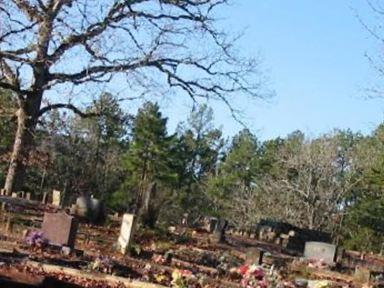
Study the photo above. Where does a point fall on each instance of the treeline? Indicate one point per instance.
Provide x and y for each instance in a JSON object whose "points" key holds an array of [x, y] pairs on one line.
{"points": [[333, 182]]}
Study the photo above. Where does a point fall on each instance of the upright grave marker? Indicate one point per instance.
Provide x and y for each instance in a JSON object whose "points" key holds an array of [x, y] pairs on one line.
{"points": [[125, 233], [320, 251], [45, 198], [56, 198], [219, 231], [210, 224], [60, 229]]}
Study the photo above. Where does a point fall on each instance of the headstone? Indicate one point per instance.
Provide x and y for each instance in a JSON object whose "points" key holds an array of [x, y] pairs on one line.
{"points": [[2, 192], [14, 195], [28, 196], [254, 256], [45, 198], [125, 233], [219, 232], [56, 198], [73, 209], [9, 225], [184, 219], [320, 251], [22, 194], [60, 229], [211, 224], [90, 208]]}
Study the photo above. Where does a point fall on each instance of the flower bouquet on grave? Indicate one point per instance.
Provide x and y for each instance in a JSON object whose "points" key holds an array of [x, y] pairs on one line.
{"points": [[255, 276], [36, 240]]}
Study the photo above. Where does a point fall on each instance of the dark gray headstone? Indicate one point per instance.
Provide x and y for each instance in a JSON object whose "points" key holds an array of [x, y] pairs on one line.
{"points": [[320, 251], [89, 208], [210, 224], [219, 232], [60, 229]]}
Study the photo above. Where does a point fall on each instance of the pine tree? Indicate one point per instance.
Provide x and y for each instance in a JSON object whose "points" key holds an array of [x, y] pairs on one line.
{"points": [[148, 162]]}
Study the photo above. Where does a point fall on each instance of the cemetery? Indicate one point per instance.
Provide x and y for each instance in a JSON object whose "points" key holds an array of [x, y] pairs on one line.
{"points": [[43, 245], [191, 144]]}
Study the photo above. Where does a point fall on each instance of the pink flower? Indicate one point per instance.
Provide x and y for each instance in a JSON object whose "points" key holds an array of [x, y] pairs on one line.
{"points": [[243, 269], [185, 273]]}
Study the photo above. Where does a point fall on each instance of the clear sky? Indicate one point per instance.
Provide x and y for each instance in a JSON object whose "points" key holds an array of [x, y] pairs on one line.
{"points": [[313, 53]]}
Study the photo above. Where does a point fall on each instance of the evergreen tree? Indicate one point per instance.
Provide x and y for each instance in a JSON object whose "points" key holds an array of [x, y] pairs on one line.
{"points": [[200, 145], [234, 187], [148, 162]]}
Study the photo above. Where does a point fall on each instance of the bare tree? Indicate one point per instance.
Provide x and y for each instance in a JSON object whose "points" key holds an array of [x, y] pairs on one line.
{"points": [[50, 44], [310, 188]]}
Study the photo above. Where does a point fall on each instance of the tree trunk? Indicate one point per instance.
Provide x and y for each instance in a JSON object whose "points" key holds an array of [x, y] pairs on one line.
{"points": [[26, 125]]}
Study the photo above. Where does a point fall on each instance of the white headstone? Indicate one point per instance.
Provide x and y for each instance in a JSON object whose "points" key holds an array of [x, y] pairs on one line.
{"points": [[125, 233], [320, 251], [56, 198]]}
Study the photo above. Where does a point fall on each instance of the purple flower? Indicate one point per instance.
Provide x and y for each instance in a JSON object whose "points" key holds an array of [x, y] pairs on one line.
{"points": [[36, 239]]}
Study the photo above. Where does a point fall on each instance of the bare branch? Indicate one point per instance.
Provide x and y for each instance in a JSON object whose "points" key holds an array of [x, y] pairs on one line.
{"points": [[31, 12], [71, 107]]}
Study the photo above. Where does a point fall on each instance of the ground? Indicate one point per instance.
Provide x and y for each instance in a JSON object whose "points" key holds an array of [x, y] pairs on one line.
{"points": [[176, 257]]}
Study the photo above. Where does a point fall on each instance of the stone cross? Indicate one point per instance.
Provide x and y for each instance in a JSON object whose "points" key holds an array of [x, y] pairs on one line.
{"points": [[320, 251], [125, 233], [60, 229], [56, 198]]}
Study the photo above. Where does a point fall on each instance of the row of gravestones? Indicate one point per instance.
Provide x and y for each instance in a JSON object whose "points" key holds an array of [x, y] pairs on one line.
{"points": [[21, 194], [86, 207], [56, 196], [60, 229]]}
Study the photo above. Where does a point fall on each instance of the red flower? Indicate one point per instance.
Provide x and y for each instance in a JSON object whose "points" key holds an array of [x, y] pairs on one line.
{"points": [[243, 269]]}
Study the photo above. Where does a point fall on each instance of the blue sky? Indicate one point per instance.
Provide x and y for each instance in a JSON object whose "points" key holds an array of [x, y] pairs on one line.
{"points": [[313, 55]]}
